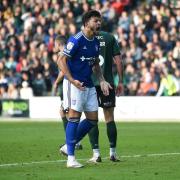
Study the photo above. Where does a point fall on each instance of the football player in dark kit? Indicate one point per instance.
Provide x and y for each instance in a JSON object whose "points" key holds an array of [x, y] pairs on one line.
{"points": [[109, 54]]}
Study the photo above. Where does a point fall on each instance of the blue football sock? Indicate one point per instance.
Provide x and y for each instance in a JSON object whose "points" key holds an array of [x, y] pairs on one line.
{"points": [[71, 135], [84, 127]]}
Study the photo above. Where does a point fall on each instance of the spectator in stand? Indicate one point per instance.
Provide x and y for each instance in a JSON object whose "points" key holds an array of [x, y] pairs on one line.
{"points": [[39, 85], [3, 93], [124, 21], [148, 86], [12, 91], [169, 85], [26, 92], [39, 34], [3, 80]]}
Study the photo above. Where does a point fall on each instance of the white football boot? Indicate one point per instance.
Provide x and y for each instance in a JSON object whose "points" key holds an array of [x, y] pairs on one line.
{"points": [[74, 164]]}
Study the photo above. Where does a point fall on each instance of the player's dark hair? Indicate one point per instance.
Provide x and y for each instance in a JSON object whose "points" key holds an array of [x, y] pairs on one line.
{"points": [[88, 15], [61, 39]]}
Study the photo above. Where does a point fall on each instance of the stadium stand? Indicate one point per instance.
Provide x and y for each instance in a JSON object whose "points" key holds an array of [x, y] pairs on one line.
{"points": [[148, 33]]}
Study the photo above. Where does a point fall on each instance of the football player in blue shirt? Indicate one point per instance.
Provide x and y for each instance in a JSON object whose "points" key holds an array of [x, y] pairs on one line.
{"points": [[78, 60], [60, 42]]}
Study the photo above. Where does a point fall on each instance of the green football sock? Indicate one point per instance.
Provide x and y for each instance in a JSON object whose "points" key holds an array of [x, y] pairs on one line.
{"points": [[94, 137], [65, 121], [112, 133]]}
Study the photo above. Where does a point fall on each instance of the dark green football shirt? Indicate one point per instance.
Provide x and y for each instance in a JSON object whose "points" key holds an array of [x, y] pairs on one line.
{"points": [[108, 49]]}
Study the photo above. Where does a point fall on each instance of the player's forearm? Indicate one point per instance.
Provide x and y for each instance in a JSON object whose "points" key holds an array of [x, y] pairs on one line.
{"points": [[60, 77], [62, 64], [119, 66], [105, 86], [98, 72]]}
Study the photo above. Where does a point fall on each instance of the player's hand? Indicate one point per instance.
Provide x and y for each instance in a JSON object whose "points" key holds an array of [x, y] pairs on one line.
{"points": [[119, 89], [79, 85], [105, 86]]}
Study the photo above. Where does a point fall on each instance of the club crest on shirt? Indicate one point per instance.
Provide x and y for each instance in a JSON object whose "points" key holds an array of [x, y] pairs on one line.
{"points": [[73, 101], [70, 45]]}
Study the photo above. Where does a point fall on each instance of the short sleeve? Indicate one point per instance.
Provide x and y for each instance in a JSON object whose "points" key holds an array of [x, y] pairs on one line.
{"points": [[71, 47], [116, 48]]}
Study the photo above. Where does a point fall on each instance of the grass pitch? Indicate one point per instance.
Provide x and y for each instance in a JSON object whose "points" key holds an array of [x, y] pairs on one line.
{"points": [[149, 151]]}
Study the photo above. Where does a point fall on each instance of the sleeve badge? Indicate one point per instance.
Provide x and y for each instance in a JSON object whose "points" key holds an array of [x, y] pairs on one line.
{"points": [[70, 45]]}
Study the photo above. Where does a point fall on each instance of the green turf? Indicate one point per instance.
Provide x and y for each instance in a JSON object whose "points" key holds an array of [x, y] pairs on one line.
{"points": [[38, 142]]}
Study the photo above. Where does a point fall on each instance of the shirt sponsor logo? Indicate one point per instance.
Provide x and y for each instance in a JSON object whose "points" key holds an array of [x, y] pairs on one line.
{"points": [[82, 58], [90, 60], [87, 58], [107, 104], [99, 37]]}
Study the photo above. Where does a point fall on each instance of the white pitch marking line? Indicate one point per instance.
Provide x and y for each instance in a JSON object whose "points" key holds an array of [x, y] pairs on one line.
{"points": [[60, 161]]}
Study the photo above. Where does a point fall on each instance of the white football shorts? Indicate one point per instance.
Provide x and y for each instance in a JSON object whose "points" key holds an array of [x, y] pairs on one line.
{"points": [[81, 101], [66, 94]]}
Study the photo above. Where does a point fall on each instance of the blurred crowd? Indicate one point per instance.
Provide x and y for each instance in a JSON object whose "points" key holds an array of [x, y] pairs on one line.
{"points": [[148, 33]]}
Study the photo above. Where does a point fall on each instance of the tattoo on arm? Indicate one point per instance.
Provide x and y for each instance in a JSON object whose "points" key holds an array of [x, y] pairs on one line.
{"points": [[97, 71]]}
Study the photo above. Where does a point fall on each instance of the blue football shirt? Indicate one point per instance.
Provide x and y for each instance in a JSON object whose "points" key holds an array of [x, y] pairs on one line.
{"points": [[81, 53]]}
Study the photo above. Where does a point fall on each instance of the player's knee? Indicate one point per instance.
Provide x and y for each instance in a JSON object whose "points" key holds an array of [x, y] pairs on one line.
{"points": [[109, 114], [62, 114], [93, 122], [109, 120]]}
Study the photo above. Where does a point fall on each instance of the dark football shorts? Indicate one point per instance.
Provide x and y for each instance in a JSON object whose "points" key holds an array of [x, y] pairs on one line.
{"points": [[106, 101], [60, 88]]}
